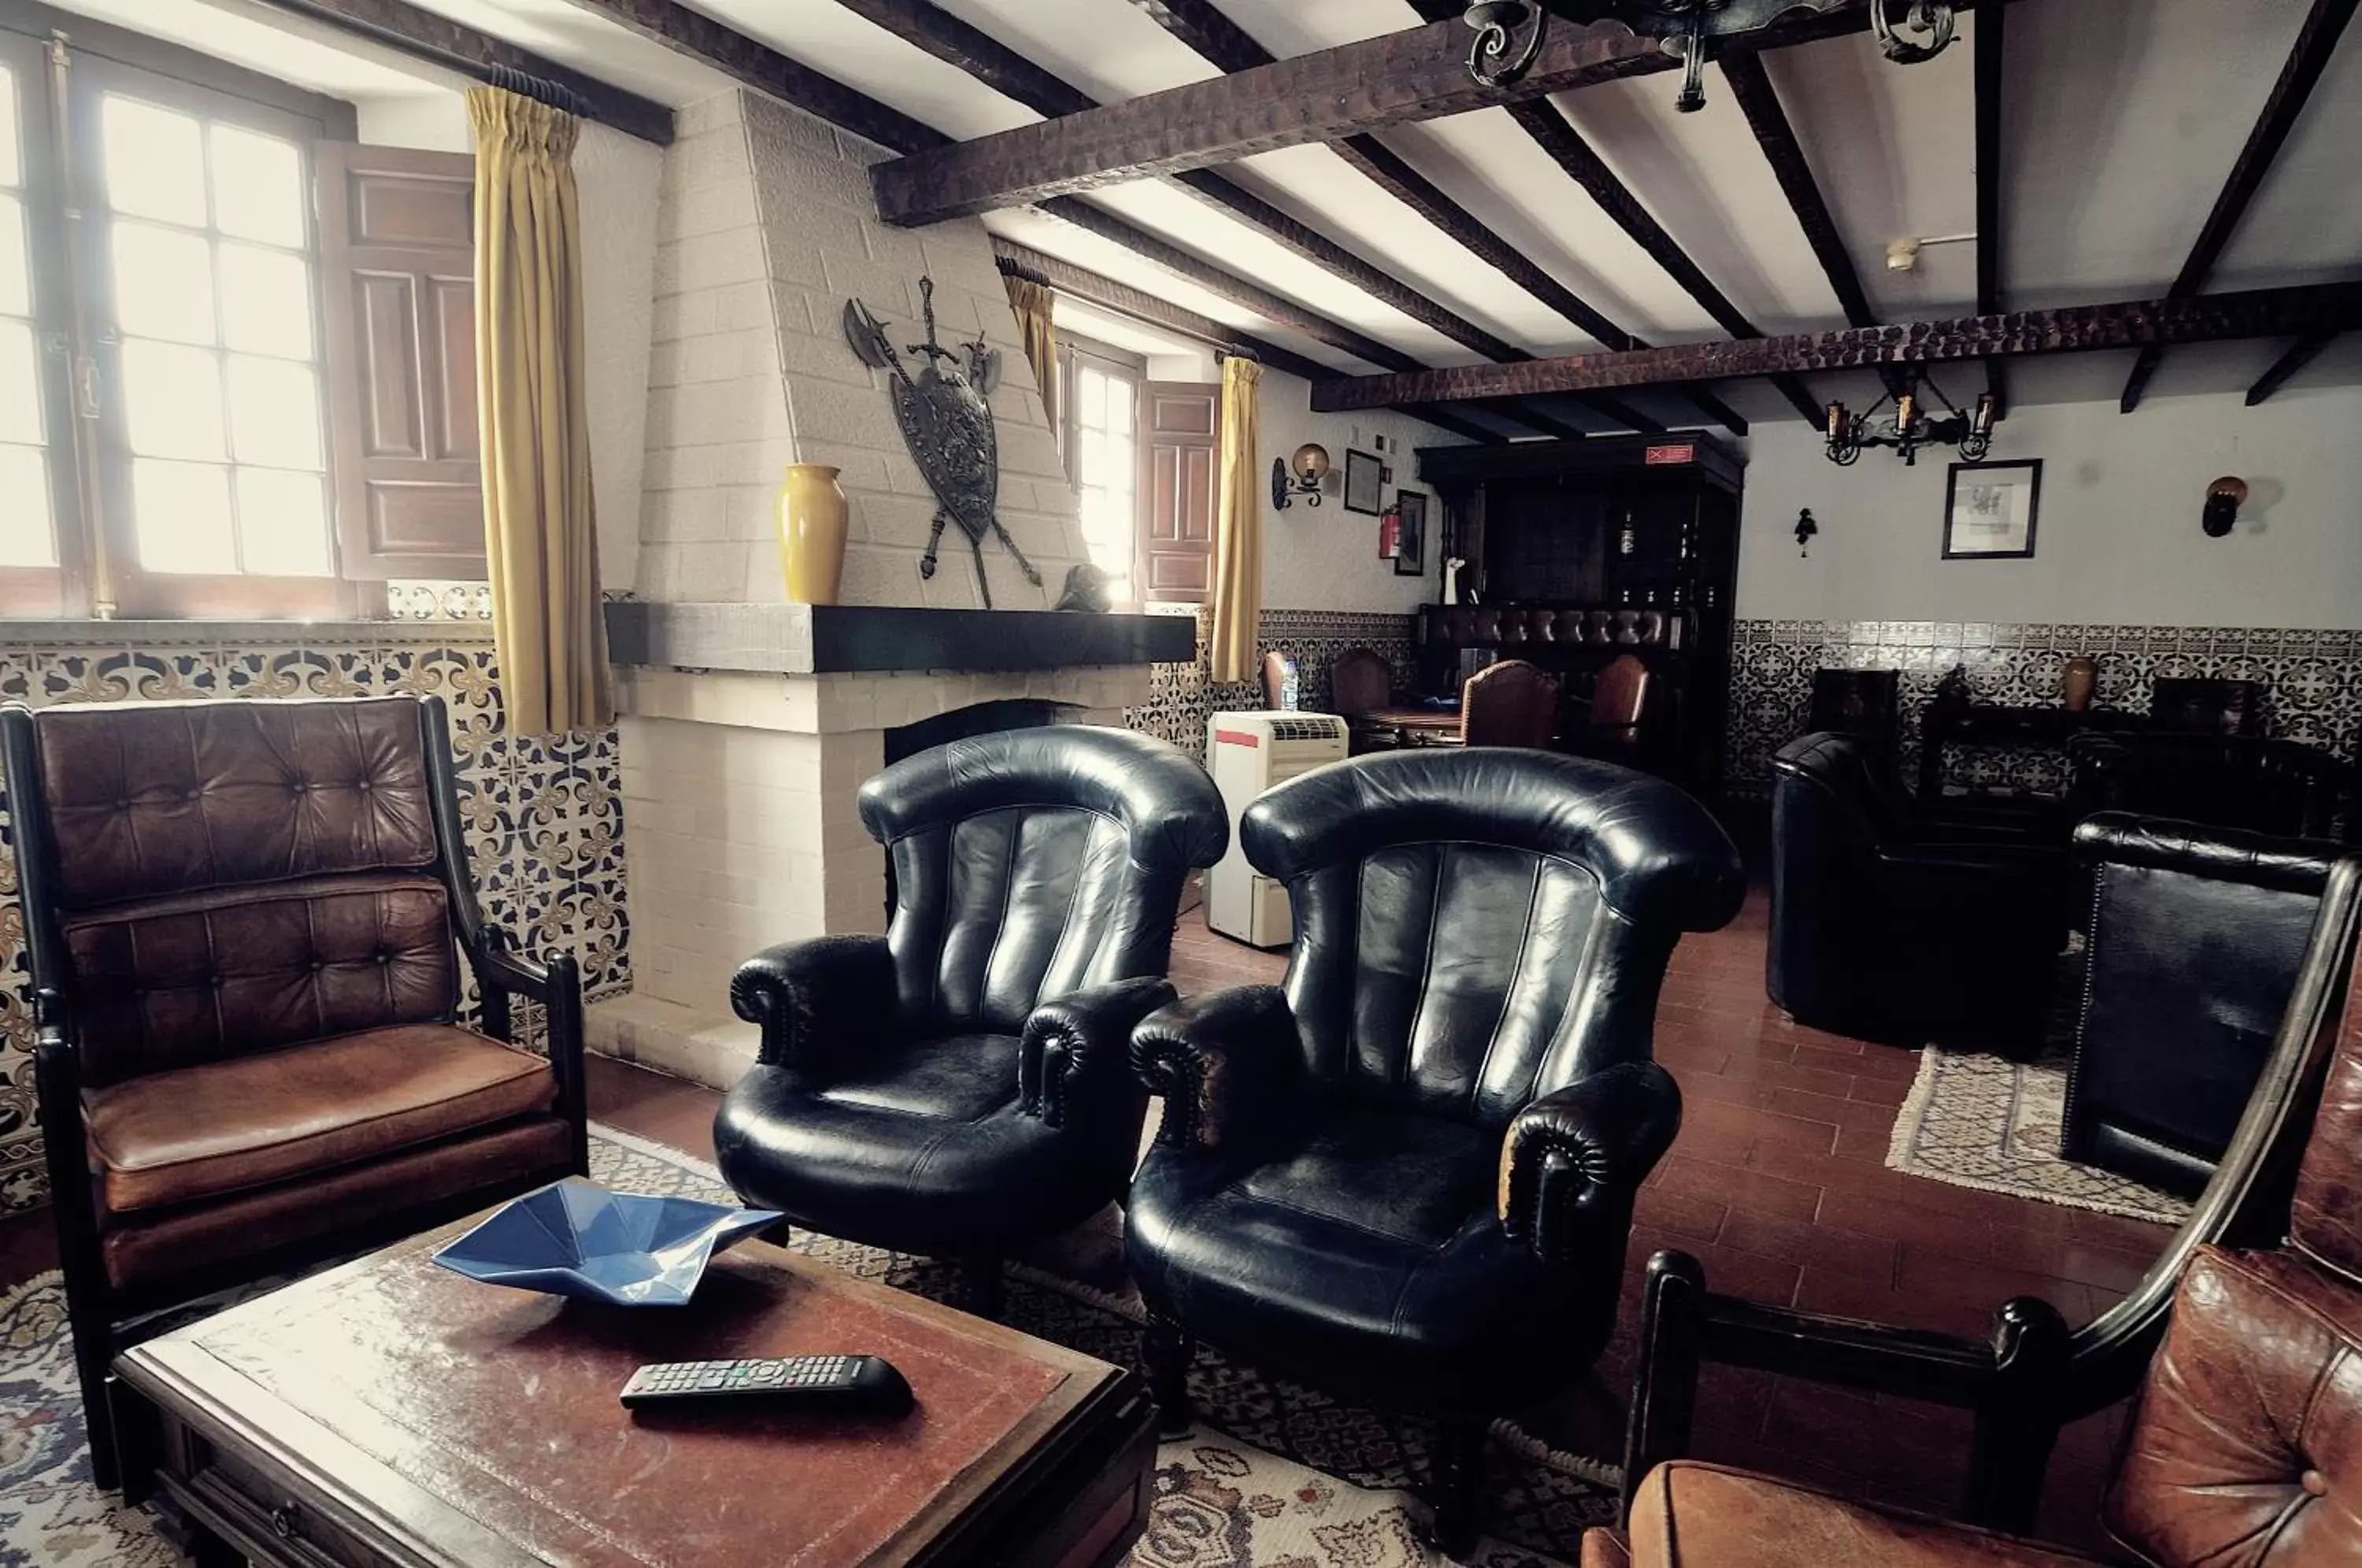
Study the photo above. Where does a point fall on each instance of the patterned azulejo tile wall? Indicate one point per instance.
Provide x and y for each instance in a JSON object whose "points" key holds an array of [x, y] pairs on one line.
{"points": [[543, 812], [1182, 695], [2312, 680]]}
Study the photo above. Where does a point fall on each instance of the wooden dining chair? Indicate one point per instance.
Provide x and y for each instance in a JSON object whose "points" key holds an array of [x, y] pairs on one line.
{"points": [[1509, 702], [1360, 680], [1619, 705]]}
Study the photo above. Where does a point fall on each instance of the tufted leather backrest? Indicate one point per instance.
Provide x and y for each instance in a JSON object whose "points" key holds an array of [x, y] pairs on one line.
{"points": [[1478, 927], [2325, 1221], [224, 877], [1032, 864]]}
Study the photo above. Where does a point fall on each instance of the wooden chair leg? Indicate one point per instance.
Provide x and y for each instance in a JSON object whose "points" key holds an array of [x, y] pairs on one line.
{"points": [[1165, 1351], [1458, 1483], [94, 1346]]}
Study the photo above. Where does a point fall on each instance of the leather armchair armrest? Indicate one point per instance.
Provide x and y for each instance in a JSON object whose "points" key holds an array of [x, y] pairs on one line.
{"points": [[1228, 1065], [1573, 1161], [2012, 1379], [1080, 1041], [814, 997]]}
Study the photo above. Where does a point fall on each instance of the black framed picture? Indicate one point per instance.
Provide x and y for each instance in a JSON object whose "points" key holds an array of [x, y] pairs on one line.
{"points": [[1410, 550], [1363, 483], [1990, 509]]}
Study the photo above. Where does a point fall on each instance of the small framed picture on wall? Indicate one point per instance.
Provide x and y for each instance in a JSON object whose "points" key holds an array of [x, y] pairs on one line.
{"points": [[1363, 485], [1989, 511], [1410, 549]]}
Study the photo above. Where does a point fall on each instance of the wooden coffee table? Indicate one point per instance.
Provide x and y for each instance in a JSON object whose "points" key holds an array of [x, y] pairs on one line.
{"points": [[391, 1412]]}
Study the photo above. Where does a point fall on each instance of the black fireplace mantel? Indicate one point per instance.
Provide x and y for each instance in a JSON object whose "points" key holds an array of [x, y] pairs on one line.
{"points": [[826, 639]]}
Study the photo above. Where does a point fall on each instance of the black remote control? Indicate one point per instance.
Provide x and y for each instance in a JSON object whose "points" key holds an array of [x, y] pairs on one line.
{"points": [[848, 1385]]}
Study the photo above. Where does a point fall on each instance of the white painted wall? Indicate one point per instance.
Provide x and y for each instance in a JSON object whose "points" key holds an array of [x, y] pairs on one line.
{"points": [[2117, 540], [1325, 558], [616, 177]]}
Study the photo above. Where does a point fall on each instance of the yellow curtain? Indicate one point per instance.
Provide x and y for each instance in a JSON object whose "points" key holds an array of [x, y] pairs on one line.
{"points": [[1032, 302], [540, 535], [1237, 596]]}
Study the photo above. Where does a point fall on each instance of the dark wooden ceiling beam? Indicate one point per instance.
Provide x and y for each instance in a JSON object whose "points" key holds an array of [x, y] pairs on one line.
{"points": [[1120, 298], [1203, 26], [1751, 89], [1532, 418], [1420, 74], [758, 65], [1444, 419], [1275, 308], [1325, 96], [1001, 68], [2308, 58], [2135, 324], [1990, 53], [2301, 353], [427, 35], [1301, 239], [1566, 147], [976, 52]]}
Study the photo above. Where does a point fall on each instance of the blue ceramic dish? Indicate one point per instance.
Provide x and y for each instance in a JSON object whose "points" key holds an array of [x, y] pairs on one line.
{"points": [[575, 1237]]}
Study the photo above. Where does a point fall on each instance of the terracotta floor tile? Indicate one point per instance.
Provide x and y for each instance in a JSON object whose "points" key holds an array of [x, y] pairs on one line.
{"points": [[1812, 1247]]}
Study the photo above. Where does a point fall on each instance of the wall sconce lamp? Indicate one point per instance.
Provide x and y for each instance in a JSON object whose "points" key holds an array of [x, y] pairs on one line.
{"points": [[1805, 529], [2223, 498], [1299, 475]]}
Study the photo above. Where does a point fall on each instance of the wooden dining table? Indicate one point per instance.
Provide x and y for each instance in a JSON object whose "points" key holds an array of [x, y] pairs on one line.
{"points": [[1409, 726]]}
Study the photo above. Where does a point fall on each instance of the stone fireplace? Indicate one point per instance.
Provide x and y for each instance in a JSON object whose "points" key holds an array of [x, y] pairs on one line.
{"points": [[748, 723], [741, 761]]}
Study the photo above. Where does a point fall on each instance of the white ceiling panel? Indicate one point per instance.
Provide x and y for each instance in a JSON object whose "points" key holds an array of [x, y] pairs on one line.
{"points": [[2122, 122], [1893, 149]]}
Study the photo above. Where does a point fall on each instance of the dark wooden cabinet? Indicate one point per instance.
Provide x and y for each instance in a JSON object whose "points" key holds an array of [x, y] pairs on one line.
{"points": [[1578, 551]]}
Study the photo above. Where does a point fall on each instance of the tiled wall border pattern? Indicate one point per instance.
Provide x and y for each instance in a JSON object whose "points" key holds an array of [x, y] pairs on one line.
{"points": [[1182, 695], [543, 812], [2313, 680]]}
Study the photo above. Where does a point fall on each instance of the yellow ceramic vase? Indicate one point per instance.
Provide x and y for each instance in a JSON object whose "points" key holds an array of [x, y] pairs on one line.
{"points": [[811, 533]]}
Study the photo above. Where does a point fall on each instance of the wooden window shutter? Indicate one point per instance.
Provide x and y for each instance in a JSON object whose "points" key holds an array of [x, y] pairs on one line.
{"points": [[397, 263], [1180, 427]]}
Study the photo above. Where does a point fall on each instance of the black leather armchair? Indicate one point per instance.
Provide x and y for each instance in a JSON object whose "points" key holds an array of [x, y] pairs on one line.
{"points": [[1888, 926], [959, 1086], [1407, 1175], [2196, 938]]}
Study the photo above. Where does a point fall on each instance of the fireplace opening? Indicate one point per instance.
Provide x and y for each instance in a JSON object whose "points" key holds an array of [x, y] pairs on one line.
{"points": [[965, 724]]}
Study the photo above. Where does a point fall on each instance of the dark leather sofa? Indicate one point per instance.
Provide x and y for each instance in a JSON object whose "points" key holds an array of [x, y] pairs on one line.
{"points": [[1407, 1175], [1892, 926], [2244, 1448], [2196, 937], [959, 1088], [245, 921]]}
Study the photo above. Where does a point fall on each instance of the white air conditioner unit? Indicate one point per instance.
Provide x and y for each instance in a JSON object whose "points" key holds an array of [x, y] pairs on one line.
{"points": [[1249, 753]]}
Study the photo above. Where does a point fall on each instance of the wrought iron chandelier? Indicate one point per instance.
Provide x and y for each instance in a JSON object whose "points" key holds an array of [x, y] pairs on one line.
{"points": [[1910, 427], [1509, 32]]}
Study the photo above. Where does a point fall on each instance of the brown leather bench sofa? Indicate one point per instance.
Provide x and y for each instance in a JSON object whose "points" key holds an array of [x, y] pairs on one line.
{"points": [[245, 921]]}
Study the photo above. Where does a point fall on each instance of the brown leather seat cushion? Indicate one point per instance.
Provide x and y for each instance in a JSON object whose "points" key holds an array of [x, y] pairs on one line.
{"points": [[222, 1127], [1689, 1515], [169, 1243]]}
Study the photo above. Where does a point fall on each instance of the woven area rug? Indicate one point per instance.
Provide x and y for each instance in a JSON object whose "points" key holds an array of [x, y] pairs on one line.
{"points": [[1273, 1475], [1992, 1124]]}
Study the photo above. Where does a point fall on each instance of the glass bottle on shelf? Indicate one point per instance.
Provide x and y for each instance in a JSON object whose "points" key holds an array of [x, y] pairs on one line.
{"points": [[1627, 538]]}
